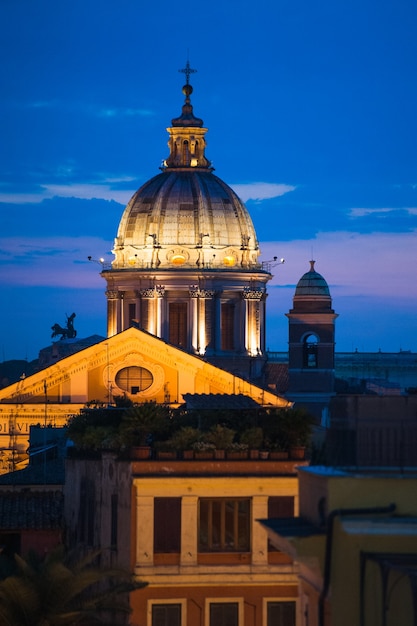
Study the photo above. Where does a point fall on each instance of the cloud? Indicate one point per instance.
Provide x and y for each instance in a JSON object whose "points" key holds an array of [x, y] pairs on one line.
{"points": [[354, 264], [250, 191], [52, 261], [125, 112], [261, 191], [87, 192], [362, 212], [372, 283], [41, 104], [76, 190]]}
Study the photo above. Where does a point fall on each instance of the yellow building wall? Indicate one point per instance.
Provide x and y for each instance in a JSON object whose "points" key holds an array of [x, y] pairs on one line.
{"points": [[326, 490], [196, 581]]}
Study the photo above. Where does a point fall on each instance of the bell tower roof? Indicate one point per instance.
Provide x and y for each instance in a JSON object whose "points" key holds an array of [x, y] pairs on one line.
{"points": [[312, 284]]}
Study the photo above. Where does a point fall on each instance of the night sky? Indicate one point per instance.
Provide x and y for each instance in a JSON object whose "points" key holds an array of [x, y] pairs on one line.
{"points": [[311, 110]]}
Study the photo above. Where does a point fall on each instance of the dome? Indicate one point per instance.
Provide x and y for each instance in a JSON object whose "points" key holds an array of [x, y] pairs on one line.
{"points": [[182, 212], [312, 284], [186, 215]]}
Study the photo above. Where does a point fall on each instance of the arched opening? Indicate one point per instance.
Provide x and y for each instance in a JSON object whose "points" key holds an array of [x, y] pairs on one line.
{"points": [[185, 153], [310, 356]]}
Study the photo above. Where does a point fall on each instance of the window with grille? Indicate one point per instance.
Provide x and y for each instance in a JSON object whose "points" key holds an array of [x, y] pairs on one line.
{"points": [[166, 615], [280, 613], [134, 379], [224, 525], [224, 614]]}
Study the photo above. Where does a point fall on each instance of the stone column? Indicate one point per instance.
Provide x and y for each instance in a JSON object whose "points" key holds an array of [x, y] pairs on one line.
{"points": [[198, 320], [189, 525], [194, 291], [253, 342], [154, 297], [260, 539], [138, 308], [144, 530], [217, 339], [113, 313], [159, 297]]}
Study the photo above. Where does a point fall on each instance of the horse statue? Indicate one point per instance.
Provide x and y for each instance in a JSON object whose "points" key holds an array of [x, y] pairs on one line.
{"points": [[66, 333]]}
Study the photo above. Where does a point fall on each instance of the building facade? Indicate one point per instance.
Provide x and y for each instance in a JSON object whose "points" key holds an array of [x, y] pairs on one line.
{"points": [[355, 543], [190, 530]]}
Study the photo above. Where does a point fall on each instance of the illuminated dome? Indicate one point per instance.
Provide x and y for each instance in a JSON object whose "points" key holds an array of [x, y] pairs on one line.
{"points": [[186, 265], [186, 215], [190, 215]]}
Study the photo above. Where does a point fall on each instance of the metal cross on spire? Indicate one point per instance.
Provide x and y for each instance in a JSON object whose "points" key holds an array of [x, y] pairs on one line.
{"points": [[187, 71]]}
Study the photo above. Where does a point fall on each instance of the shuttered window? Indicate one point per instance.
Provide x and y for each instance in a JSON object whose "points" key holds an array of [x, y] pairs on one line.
{"points": [[167, 525]]}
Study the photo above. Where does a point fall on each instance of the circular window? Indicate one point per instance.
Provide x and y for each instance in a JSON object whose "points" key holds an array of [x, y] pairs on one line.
{"points": [[178, 259], [134, 379], [229, 260]]}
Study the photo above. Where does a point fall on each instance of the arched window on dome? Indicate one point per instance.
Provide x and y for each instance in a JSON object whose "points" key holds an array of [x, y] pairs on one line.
{"points": [[310, 359], [185, 153]]}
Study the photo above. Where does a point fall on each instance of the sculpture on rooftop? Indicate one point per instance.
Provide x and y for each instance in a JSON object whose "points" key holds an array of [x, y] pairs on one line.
{"points": [[66, 333]]}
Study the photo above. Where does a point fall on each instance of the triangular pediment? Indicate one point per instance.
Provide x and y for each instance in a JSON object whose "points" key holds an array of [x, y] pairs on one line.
{"points": [[134, 363]]}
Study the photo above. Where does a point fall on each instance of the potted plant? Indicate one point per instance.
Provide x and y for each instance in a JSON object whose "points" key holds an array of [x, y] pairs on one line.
{"points": [[142, 424], [165, 451], [203, 450], [253, 438], [278, 453], [221, 437], [184, 439], [237, 451], [297, 426]]}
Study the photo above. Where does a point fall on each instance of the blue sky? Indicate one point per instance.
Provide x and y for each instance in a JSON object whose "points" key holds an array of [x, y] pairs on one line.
{"points": [[311, 109]]}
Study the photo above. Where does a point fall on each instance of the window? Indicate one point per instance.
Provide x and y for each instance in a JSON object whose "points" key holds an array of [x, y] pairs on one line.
{"points": [[227, 326], [310, 351], [167, 525], [224, 614], [185, 153], [279, 506], [224, 525], [178, 324], [166, 615], [132, 312], [86, 513], [280, 613], [113, 520], [134, 379]]}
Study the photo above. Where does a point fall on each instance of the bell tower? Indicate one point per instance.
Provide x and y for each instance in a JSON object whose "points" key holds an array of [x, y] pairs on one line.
{"points": [[311, 344]]}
